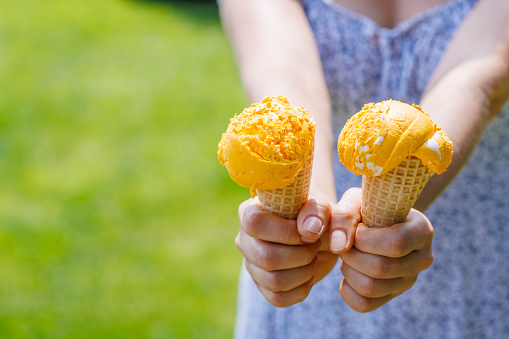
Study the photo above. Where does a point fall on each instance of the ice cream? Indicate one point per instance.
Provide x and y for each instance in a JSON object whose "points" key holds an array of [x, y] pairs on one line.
{"points": [[267, 145], [393, 144], [381, 135]]}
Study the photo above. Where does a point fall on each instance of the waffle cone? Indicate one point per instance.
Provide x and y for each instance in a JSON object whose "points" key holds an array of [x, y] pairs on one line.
{"points": [[288, 201], [387, 199]]}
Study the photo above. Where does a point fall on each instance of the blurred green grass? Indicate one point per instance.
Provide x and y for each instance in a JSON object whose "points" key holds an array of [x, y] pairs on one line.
{"points": [[116, 218]]}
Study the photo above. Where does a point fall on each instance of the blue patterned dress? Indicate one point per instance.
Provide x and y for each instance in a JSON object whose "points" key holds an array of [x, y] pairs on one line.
{"points": [[465, 293]]}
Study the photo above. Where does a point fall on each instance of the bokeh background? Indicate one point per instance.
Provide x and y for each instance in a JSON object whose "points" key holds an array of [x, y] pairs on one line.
{"points": [[116, 218]]}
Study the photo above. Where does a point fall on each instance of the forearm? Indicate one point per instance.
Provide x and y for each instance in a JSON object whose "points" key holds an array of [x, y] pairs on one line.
{"points": [[454, 95], [277, 55], [469, 87]]}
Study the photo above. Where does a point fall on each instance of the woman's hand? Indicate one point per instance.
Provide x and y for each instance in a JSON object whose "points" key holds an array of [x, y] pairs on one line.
{"points": [[285, 257], [378, 264]]}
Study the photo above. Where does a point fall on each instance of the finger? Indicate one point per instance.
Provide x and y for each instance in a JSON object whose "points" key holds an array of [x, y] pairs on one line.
{"points": [[272, 256], [287, 298], [374, 288], [325, 242], [358, 302], [345, 217], [281, 280], [313, 219], [326, 262], [263, 225], [415, 233], [380, 267]]}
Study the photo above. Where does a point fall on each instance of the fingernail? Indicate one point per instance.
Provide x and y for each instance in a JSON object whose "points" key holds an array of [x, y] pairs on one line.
{"points": [[338, 240], [313, 225]]}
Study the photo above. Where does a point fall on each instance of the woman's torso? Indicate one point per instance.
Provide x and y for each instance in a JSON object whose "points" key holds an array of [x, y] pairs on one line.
{"points": [[464, 294]]}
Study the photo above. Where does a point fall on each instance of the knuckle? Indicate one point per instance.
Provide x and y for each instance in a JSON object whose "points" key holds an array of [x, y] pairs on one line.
{"points": [[238, 242], [277, 299], [363, 305], [245, 205], [288, 298], [368, 287], [359, 303], [310, 254], [429, 233], [431, 258], [273, 282], [427, 259], [356, 301], [251, 272], [304, 294], [411, 281], [380, 268], [318, 206], [252, 221], [268, 261], [343, 213], [426, 229], [399, 246]]}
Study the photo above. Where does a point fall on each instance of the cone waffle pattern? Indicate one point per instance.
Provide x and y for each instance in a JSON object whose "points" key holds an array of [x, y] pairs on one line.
{"points": [[387, 199], [288, 201]]}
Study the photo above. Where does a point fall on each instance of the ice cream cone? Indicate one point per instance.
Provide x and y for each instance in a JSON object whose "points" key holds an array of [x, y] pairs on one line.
{"points": [[388, 198], [269, 149], [288, 201], [397, 148]]}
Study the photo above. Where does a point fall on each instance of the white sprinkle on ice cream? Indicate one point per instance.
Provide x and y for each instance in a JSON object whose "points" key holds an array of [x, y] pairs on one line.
{"points": [[433, 145], [379, 140], [375, 169], [363, 148]]}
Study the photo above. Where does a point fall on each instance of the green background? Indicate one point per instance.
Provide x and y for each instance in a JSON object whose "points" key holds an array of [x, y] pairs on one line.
{"points": [[116, 218]]}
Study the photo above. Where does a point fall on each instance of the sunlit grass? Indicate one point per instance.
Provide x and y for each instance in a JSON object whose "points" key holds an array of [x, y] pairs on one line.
{"points": [[116, 219]]}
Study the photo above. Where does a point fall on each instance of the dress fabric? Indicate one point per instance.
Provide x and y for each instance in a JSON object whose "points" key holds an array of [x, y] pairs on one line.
{"points": [[465, 293]]}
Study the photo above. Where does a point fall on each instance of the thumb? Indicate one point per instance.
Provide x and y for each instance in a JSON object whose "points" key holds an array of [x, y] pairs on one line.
{"points": [[346, 215], [313, 219]]}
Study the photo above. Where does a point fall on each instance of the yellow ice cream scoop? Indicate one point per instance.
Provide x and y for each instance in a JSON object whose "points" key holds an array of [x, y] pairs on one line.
{"points": [[267, 144], [379, 137]]}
